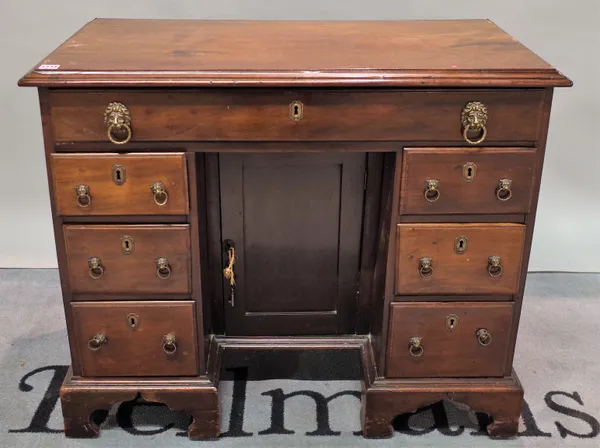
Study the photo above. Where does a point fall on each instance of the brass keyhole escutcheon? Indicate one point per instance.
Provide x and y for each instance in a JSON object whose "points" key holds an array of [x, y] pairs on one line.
{"points": [[460, 244], [133, 321], [451, 322], [127, 246], [296, 110], [118, 174], [469, 172]]}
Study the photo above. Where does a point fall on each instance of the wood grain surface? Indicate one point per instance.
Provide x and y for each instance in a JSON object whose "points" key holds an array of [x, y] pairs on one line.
{"points": [[446, 353], [500, 398], [80, 397], [136, 352], [264, 114], [128, 274], [295, 220], [458, 196], [134, 197], [454, 273], [109, 52]]}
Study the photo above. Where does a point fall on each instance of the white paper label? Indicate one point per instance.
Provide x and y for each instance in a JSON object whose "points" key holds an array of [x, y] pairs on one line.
{"points": [[48, 67]]}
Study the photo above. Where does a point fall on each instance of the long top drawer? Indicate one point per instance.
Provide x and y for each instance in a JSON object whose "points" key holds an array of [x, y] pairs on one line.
{"points": [[284, 115]]}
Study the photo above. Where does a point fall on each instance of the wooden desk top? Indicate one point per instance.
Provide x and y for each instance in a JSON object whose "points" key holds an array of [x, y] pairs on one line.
{"points": [[449, 53]]}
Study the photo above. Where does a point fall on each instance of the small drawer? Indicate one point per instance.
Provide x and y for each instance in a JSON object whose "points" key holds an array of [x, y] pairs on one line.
{"points": [[467, 180], [435, 339], [120, 184], [134, 259], [291, 115], [458, 258], [136, 338]]}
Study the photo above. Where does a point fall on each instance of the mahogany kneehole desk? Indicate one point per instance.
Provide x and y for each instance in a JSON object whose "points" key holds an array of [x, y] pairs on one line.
{"points": [[228, 185]]}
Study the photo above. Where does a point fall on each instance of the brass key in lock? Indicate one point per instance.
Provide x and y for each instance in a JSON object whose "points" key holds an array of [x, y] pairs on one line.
{"points": [[228, 272]]}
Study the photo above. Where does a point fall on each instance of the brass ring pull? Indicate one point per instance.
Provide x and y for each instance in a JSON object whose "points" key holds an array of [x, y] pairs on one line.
{"points": [[118, 119], [95, 268], [481, 138], [159, 193], [503, 191], [495, 266], [414, 346], [97, 342], [484, 337], [169, 344], [163, 268], [432, 190], [474, 118], [116, 127], [83, 196], [425, 267]]}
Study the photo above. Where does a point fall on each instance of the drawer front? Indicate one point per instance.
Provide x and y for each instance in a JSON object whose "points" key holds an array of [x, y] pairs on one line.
{"points": [[458, 258], [136, 338], [437, 339], [467, 180], [135, 259], [235, 114], [116, 184]]}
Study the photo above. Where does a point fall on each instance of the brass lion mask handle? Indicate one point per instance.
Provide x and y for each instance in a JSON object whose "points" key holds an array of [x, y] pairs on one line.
{"points": [[95, 267], [432, 190], [169, 344], [503, 191], [415, 347], [474, 119], [163, 268], [159, 193], [495, 266], [425, 267], [83, 197], [117, 120], [484, 337], [97, 342]]}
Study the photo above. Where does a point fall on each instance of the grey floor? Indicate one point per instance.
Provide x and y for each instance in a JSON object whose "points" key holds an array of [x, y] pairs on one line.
{"points": [[556, 358]]}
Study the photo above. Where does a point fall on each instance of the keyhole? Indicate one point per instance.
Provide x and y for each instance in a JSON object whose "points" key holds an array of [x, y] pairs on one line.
{"points": [[133, 321], [460, 244], [451, 322], [118, 174], [127, 245], [296, 110], [469, 172]]}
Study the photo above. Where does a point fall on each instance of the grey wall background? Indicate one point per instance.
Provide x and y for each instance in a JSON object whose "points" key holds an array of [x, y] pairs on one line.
{"points": [[564, 33]]}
